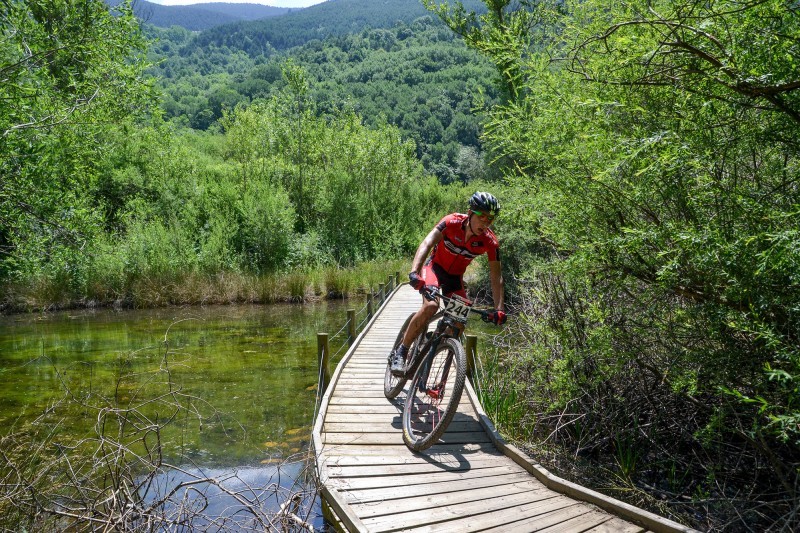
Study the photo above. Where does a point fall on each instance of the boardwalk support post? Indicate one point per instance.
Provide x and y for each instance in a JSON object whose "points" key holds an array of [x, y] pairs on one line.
{"points": [[351, 326], [397, 278], [471, 347], [381, 295], [322, 359], [369, 305], [389, 284]]}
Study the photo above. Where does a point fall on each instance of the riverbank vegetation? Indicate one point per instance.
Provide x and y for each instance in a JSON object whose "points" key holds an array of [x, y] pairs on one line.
{"points": [[108, 203]]}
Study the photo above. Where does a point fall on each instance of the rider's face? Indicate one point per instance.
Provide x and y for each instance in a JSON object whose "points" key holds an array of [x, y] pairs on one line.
{"points": [[480, 221]]}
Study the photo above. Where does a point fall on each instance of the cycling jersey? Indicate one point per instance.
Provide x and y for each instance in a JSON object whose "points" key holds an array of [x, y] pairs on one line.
{"points": [[453, 253]]}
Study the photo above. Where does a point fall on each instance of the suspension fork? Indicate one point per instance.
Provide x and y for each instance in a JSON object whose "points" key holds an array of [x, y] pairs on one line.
{"points": [[426, 363]]}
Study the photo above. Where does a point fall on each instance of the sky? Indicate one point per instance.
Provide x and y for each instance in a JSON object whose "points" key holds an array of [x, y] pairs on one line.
{"points": [[274, 3]]}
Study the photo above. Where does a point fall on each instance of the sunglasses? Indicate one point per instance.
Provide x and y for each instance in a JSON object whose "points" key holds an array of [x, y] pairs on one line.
{"points": [[489, 216]]}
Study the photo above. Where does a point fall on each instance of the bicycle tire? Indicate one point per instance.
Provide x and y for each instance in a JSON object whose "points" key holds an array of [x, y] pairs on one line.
{"points": [[392, 385], [424, 422]]}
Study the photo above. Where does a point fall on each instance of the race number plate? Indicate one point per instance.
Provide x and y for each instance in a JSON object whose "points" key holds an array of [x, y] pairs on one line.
{"points": [[457, 309]]}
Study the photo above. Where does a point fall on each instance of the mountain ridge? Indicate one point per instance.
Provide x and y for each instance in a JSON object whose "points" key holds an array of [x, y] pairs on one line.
{"points": [[199, 17], [328, 19]]}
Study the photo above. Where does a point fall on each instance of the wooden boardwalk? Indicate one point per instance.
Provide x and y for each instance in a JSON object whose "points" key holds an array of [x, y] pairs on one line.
{"points": [[470, 481]]}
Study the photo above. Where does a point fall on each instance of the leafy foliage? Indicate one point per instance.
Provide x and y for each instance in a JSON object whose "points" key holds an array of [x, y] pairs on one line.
{"points": [[653, 147], [344, 179], [69, 71], [105, 202]]}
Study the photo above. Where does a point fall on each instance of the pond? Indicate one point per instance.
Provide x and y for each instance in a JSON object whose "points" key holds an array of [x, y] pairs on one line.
{"points": [[238, 384]]}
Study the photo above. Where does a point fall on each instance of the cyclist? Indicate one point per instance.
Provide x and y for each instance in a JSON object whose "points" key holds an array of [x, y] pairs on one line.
{"points": [[456, 240]]}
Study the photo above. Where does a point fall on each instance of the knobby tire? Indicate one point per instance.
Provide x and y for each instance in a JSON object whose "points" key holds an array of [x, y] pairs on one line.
{"points": [[426, 418]]}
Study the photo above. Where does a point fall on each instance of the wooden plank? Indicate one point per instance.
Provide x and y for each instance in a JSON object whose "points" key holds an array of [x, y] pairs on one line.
{"points": [[390, 438], [579, 523], [392, 425], [342, 400], [361, 418], [529, 516], [392, 493], [432, 502], [352, 393], [363, 483], [412, 458], [616, 525], [360, 383], [350, 472], [439, 450], [386, 409], [400, 457], [446, 513]]}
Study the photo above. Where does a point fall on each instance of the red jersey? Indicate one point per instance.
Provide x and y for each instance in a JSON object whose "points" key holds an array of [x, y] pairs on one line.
{"points": [[453, 254]]}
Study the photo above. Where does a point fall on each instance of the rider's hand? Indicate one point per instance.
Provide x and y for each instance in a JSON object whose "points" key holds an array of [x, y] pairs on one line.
{"points": [[497, 317], [415, 281]]}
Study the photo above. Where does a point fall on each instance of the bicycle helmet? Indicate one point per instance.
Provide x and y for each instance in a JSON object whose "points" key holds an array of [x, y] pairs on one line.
{"points": [[485, 202]]}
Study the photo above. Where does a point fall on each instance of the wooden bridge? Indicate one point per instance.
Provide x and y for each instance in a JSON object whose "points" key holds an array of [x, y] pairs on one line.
{"points": [[471, 481]]}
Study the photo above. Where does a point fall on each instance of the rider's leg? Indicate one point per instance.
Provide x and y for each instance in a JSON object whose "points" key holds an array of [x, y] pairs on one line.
{"points": [[429, 307], [420, 320]]}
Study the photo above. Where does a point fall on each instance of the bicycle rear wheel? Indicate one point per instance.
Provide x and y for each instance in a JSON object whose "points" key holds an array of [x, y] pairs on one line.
{"points": [[434, 395], [392, 385]]}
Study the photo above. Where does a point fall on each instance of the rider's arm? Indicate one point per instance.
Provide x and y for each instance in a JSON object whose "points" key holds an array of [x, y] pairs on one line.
{"points": [[425, 248], [496, 278]]}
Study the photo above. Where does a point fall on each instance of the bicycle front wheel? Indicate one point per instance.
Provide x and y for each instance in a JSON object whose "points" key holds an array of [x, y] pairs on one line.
{"points": [[434, 395]]}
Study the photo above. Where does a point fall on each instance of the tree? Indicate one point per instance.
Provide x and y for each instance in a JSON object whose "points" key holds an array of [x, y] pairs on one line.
{"points": [[70, 70]]}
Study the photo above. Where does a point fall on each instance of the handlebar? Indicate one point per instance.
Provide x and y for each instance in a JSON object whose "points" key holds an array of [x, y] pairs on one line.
{"points": [[431, 293]]}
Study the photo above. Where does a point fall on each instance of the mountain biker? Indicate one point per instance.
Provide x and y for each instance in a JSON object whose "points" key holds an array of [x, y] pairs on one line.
{"points": [[456, 240]]}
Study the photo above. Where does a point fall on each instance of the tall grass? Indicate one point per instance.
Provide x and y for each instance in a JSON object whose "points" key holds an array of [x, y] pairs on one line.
{"points": [[497, 391], [176, 288]]}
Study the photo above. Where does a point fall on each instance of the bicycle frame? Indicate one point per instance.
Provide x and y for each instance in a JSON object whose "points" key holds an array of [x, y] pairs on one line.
{"points": [[447, 326]]}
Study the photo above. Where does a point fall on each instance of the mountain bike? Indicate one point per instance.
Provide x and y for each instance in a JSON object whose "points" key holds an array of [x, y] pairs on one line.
{"points": [[436, 363]]}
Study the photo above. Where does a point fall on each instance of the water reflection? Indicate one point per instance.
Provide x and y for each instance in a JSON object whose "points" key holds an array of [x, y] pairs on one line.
{"points": [[249, 373], [267, 498]]}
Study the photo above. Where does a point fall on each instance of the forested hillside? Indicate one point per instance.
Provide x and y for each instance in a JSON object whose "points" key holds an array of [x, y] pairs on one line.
{"points": [[418, 77], [332, 18], [200, 16]]}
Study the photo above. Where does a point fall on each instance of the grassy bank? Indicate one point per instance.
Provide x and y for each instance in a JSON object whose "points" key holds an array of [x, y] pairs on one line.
{"points": [[196, 289]]}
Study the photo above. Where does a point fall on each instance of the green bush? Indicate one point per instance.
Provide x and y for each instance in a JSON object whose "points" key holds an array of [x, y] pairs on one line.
{"points": [[266, 227]]}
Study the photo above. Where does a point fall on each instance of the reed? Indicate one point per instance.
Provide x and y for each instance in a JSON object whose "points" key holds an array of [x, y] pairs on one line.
{"points": [[296, 285], [338, 282], [195, 288], [626, 455]]}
